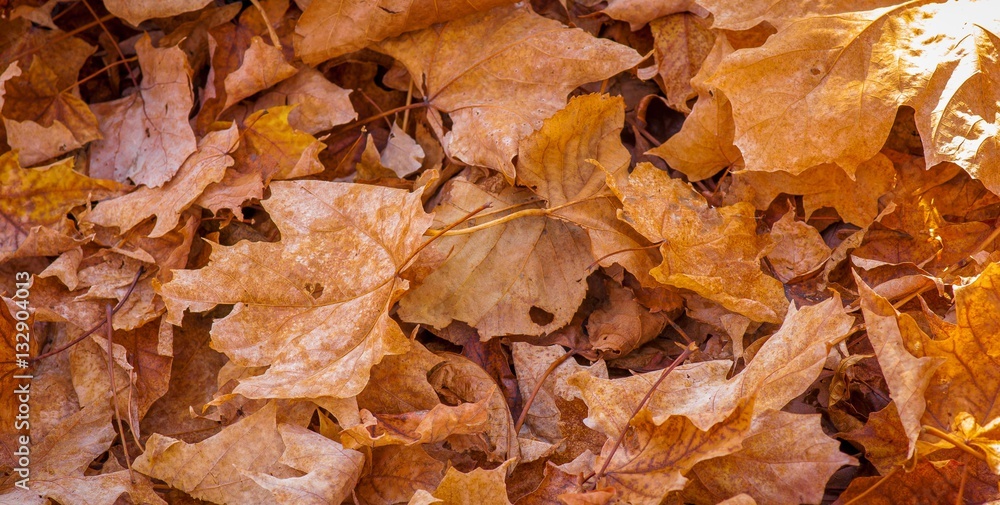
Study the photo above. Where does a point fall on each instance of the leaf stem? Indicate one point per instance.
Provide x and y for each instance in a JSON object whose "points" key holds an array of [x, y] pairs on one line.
{"points": [[953, 441], [618, 442], [98, 325], [534, 392]]}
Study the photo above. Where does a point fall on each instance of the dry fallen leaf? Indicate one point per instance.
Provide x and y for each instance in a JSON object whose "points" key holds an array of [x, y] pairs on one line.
{"points": [[494, 102], [341, 277], [713, 252], [146, 136], [793, 287]]}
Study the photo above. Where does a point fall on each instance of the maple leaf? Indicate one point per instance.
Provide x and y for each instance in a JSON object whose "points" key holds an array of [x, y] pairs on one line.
{"points": [[577, 225], [957, 386], [204, 167], [238, 465], [136, 12], [653, 458], [42, 111], [330, 29], [824, 65], [784, 366], [334, 272], [890, 333], [35, 203], [856, 201], [146, 136], [785, 458], [521, 73], [713, 252]]}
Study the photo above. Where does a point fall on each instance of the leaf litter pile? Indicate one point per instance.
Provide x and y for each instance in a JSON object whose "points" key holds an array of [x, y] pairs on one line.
{"points": [[576, 252]]}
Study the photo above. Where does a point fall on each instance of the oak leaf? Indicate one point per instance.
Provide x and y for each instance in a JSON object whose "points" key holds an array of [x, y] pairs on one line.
{"points": [[524, 67], [335, 271], [146, 136]]}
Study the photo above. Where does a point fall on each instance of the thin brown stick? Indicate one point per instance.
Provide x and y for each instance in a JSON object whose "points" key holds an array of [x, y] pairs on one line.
{"points": [[99, 72], [114, 389], [61, 37], [538, 387], [98, 325], [113, 42], [630, 249], [273, 35], [376, 117], [618, 442]]}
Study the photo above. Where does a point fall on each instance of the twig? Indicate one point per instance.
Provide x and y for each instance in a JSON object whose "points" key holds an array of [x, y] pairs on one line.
{"points": [[98, 325], [113, 42], [618, 442], [114, 390], [270, 29], [534, 392]]}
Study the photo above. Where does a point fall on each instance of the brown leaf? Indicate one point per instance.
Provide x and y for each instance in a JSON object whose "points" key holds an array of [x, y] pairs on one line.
{"points": [[319, 103], [34, 198], [205, 166], [146, 136], [526, 276], [714, 252], [683, 41], [621, 325], [396, 474], [653, 459], [331, 471], [958, 385], [815, 71], [238, 465], [335, 270], [136, 12], [478, 487], [928, 482], [786, 364], [42, 110], [798, 248], [494, 102], [786, 458], [890, 333], [856, 201], [640, 12], [330, 29]]}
